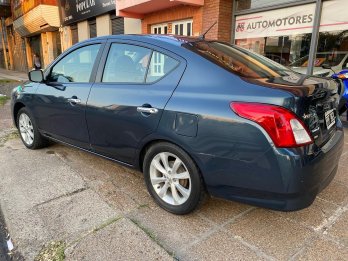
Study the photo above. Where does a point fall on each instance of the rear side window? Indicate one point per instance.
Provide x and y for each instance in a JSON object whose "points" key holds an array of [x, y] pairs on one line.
{"points": [[126, 64], [160, 66]]}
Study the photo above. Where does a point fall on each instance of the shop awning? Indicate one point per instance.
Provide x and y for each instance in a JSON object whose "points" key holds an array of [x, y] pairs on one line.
{"points": [[42, 18], [138, 8]]}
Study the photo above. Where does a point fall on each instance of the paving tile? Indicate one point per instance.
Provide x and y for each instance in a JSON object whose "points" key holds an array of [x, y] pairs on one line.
{"points": [[339, 230], [122, 240], [32, 177], [322, 250], [115, 197], [335, 193], [314, 215], [219, 247], [220, 211], [69, 217], [173, 231], [271, 233], [342, 175]]}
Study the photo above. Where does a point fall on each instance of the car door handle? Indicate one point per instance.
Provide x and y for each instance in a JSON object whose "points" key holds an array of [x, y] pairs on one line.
{"points": [[147, 110], [74, 100]]}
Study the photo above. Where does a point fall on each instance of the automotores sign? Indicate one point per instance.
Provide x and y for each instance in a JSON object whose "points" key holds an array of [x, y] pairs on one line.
{"points": [[76, 10], [287, 21]]}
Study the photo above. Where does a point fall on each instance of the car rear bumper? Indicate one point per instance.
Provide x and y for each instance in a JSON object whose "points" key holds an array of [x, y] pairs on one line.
{"points": [[293, 180]]}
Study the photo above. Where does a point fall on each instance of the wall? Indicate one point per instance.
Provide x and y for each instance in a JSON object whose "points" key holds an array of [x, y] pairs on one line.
{"points": [[220, 11], [17, 52], [173, 14], [103, 25], [83, 30], [132, 26]]}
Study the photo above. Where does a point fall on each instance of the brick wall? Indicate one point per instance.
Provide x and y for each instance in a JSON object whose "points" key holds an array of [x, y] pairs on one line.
{"points": [[220, 11], [173, 14]]}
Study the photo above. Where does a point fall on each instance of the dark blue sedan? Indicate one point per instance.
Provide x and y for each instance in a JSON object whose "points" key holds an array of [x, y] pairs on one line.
{"points": [[195, 116]]}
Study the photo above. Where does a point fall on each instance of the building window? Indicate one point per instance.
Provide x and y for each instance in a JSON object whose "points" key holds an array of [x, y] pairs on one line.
{"points": [[117, 24], [183, 27], [74, 34], [92, 28], [283, 35], [333, 37], [159, 29]]}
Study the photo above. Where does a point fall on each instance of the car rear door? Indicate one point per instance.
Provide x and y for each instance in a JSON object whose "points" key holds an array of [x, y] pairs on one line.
{"points": [[61, 101], [133, 84]]}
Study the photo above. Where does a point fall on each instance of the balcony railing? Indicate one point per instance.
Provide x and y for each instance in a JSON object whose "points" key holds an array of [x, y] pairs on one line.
{"points": [[138, 8]]}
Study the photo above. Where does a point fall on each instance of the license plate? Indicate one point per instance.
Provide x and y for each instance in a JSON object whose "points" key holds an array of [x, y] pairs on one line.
{"points": [[330, 119]]}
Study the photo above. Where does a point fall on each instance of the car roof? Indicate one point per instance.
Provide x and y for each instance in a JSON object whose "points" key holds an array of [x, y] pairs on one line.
{"points": [[174, 40]]}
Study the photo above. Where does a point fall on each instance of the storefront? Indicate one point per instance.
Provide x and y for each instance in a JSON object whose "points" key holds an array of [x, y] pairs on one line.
{"points": [[84, 19], [301, 34]]}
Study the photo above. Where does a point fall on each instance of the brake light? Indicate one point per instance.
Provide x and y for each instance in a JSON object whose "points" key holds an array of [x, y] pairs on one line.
{"points": [[283, 126]]}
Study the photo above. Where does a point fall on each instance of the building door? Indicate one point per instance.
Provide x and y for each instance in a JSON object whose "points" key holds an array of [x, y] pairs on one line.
{"points": [[35, 47], [117, 24], [183, 27]]}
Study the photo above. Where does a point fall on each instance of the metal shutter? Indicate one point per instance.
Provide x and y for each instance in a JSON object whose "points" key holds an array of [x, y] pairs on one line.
{"points": [[74, 34], [117, 25], [92, 28]]}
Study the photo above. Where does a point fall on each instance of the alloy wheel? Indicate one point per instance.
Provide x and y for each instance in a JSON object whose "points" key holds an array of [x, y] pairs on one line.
{"points": [[170, 178], [26, 129]]}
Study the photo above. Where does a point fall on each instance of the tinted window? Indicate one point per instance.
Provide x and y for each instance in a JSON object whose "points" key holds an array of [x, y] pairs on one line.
{"points": [[126, 63], [238, 60], [160, 66], [77, 66]]}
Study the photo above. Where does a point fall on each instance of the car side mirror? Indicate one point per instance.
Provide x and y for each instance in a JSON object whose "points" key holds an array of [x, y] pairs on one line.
{"points": [[36, 76], [326, 66]]}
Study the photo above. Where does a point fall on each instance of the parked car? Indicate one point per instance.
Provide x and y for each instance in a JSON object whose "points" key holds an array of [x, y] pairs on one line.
{"points": [[326, 63], [195, 116]]}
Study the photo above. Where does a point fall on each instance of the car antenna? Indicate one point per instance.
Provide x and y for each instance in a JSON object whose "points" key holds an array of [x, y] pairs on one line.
{"points": [[202, 36]]}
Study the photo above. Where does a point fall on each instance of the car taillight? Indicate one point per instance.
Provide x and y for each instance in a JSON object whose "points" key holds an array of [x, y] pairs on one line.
{"points": [[283, 126]]}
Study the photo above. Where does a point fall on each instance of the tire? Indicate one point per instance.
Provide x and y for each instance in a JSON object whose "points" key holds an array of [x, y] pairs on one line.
{"points": [[177, 194], [28, 130]]}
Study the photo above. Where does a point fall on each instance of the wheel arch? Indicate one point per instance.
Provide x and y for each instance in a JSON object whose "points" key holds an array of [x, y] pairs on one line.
{"points": [[148, 144], [16, 108]]}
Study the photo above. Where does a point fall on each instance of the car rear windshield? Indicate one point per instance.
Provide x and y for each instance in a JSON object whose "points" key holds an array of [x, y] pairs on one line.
{"points": [[238, 60]]}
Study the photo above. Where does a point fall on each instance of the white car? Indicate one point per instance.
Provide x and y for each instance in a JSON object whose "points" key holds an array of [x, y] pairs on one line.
{"points": [[336, 60]]}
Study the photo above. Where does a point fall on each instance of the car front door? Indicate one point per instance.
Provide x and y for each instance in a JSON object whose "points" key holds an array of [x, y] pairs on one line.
{"points": [[133, 85], [61, 101]]}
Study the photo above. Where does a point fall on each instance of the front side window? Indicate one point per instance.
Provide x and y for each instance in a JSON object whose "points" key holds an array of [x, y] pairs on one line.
{"points": [[126, 64], [77, 66]]}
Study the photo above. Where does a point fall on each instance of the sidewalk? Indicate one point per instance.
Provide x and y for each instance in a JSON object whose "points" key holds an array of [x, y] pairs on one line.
{"points": [[13, 75]]}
